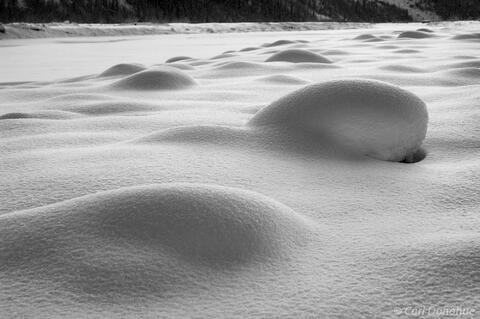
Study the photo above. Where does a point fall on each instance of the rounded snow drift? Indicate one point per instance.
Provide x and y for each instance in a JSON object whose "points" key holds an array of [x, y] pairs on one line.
{"points": [[282, 79], [212, 134], [122, 69], [47, 115], [279, 42], [178, 58], [368, 38], [210, 224], [373, 118], [156, 79], [297, 56], [467, 36], [425, 30], [415, 35]]}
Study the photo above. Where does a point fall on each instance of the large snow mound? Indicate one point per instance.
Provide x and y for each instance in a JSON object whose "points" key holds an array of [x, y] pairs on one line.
{"points": [[298, 56], [156, 79], [205, 223], [372, 117]]}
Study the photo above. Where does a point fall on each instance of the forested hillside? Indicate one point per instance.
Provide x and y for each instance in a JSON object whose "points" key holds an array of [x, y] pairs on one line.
{"points": [[440, 9], [452, 9], [107, 11]]}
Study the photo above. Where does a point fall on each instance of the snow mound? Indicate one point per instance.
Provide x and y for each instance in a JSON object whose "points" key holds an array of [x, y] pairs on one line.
{"points": [[335, 52], [122, 69], [47, 115], [425, 30], [415, 35], [224, 56], [403, 51], [465, 64], [75, 98], [462, 76], [467, 36], [156, 79], [211, 134], [149, 233], [278, 43], [235, 138], [111, 107], [181, 66], [178, 58], [366, 36], [282, 79], [237, 65], [240, 68], [373, 118], [249, 49], [388, 46], [402, 68], [297, 56]]}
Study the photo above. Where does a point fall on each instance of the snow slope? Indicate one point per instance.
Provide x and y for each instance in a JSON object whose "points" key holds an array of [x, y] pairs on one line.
{"points": [[225, 183]]}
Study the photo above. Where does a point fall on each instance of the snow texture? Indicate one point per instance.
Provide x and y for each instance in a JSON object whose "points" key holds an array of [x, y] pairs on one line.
{"points": [[137, 183]]}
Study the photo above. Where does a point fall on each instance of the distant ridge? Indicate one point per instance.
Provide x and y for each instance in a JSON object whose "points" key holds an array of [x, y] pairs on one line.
{"points": [[194, 11], [440, 9]]}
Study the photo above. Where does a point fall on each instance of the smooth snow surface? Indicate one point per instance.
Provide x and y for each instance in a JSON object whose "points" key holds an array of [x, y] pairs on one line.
{"points": [[180, 176]]}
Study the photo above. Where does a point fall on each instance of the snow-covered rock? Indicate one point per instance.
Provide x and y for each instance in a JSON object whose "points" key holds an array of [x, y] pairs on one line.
{"points": [[374, 118]]}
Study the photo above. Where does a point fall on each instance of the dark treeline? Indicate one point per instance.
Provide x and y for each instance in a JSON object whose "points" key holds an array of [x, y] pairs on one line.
{"points": [[362, 10], [453, 9], [109, 11]]}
